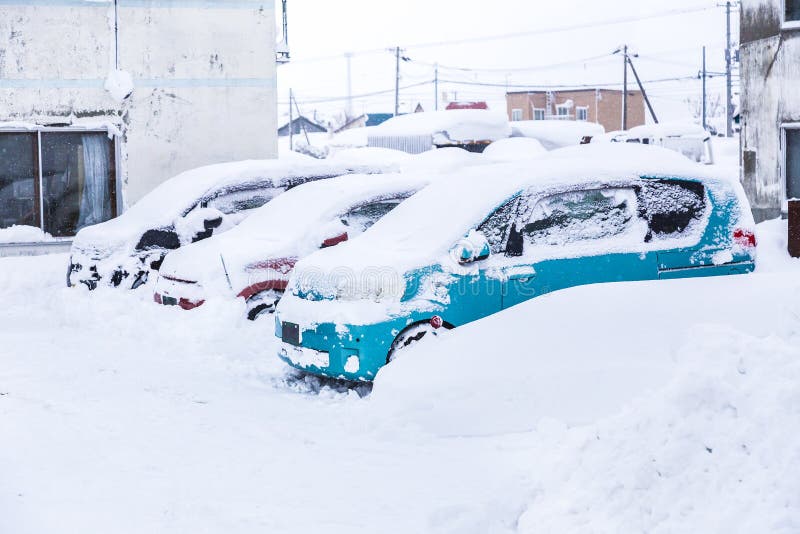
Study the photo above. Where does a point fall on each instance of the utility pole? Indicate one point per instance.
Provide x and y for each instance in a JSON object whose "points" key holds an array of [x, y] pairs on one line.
{"points": [[397, 82], [291, 123], [436, 86], [300, 117], [116, 35], [728, 74], [641, 88], [349, 110], [625, 88], [705, 127]]}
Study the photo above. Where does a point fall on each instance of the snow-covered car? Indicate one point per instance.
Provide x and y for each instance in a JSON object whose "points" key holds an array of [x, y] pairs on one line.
{"points": [[488, 238], [689, 139], [189, 207], [253, 261], [555, 134]]}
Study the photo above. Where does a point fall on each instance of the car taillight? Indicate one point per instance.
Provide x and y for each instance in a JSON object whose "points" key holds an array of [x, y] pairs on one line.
{"points": [[744, 238]]}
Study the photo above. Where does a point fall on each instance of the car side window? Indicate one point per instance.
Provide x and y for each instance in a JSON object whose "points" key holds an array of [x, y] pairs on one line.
{"points": [[235, 201], [496, 227], [670, 206], [580, 215], [359, 218]]}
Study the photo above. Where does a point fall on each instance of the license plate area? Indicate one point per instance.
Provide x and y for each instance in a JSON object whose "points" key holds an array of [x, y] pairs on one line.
{"points": [[169, 301], [290, 333]]}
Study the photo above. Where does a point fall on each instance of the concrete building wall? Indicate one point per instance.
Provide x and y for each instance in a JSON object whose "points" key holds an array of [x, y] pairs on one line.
{"points": [[603, 106], [770, 99], [203, 76]]}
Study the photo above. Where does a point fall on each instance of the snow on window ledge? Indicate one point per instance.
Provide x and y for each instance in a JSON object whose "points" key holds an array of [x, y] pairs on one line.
{"points": [[790, 25]]}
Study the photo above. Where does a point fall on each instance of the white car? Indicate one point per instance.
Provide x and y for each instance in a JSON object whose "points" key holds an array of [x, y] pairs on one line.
{"points": [[253, 261], [187, 208]]}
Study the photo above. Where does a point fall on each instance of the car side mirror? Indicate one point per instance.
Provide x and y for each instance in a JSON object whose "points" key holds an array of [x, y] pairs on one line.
{"points": [[474, 247], [335, 240], [515, 243], [201, 223]]}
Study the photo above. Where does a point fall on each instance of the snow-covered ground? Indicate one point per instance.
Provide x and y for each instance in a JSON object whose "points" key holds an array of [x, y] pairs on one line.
{"points": [[634, 407]]}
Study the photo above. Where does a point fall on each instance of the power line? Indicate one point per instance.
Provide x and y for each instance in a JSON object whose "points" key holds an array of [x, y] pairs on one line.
{"points": [[320, 100], [516, 69], [533, 87], [516, 35]]}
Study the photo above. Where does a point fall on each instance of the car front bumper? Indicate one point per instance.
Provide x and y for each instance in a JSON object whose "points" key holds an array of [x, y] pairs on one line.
{"points": [[353, 353]]}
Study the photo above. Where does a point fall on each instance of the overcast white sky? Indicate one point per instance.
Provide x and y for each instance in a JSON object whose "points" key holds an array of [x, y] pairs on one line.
{"points": [[322, 31]]}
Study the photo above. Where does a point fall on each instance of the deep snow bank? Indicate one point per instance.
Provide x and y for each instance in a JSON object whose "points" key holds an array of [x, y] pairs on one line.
{"points": [[713, 451], [649, 407], [583, 353]]}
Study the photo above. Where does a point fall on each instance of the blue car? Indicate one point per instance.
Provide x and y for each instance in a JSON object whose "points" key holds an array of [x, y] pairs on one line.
{"points": [[492, 237]]}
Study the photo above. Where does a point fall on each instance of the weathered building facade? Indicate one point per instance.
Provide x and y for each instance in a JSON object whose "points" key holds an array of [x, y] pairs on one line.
{"points": [[601, 106], [102, 100], [770, 108]]}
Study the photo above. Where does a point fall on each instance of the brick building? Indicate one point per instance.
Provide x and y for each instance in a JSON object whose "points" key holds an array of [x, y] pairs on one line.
{"points": [[601, 106]]}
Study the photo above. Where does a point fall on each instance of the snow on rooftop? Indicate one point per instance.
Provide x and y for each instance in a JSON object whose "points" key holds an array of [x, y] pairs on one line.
{"points": [[555, 133], [458, 126]]}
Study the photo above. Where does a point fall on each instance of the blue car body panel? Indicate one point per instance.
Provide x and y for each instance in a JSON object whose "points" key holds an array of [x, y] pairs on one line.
{"points": [[460, 298]]}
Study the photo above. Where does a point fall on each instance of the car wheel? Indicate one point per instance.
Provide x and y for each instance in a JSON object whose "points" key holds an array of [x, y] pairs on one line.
{"points": [[140, 279], [262, 303], [416, 333]]}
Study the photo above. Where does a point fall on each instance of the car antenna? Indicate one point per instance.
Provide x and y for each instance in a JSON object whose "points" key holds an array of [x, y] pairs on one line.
{"points": [[224, 268]]}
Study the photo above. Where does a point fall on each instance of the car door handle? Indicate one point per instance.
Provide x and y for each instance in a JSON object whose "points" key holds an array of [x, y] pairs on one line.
{"points": [[522, 273]]}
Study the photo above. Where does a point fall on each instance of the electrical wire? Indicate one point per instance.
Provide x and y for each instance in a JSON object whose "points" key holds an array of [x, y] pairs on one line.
{"points": [[514, 35]]}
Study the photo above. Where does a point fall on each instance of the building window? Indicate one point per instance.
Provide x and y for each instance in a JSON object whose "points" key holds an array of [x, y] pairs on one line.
{"points": [[538, 114], [791, 11], [562, 111], [516, 114], [19, 179], [582, 113], [59, 181], [792, 167]]}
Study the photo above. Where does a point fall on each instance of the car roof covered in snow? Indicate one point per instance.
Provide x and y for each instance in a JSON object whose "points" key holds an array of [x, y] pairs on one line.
{"points": [[667, 129], [458, 125], [173, 198], [428, 224], [555, 134], [514, 149]]}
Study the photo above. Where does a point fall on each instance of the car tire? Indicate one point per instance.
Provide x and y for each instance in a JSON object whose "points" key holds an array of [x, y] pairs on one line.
{"points": [[414, 334], [262, 303]]}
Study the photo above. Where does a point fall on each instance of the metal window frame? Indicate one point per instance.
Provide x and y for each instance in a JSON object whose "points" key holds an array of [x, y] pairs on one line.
{"points": [[783, 163], [115, 168], [788, 24]]}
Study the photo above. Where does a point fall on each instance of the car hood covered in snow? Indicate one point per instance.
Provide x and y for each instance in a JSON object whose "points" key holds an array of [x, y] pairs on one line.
{"points": [[293, 225]]}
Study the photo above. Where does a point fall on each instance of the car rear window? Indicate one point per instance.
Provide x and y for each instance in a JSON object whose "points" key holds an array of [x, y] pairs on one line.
{"points": [[670, 207]]}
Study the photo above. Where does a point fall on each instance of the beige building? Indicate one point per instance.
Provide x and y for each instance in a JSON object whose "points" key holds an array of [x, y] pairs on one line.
{"points": [[601, 106], [103, 100]]}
